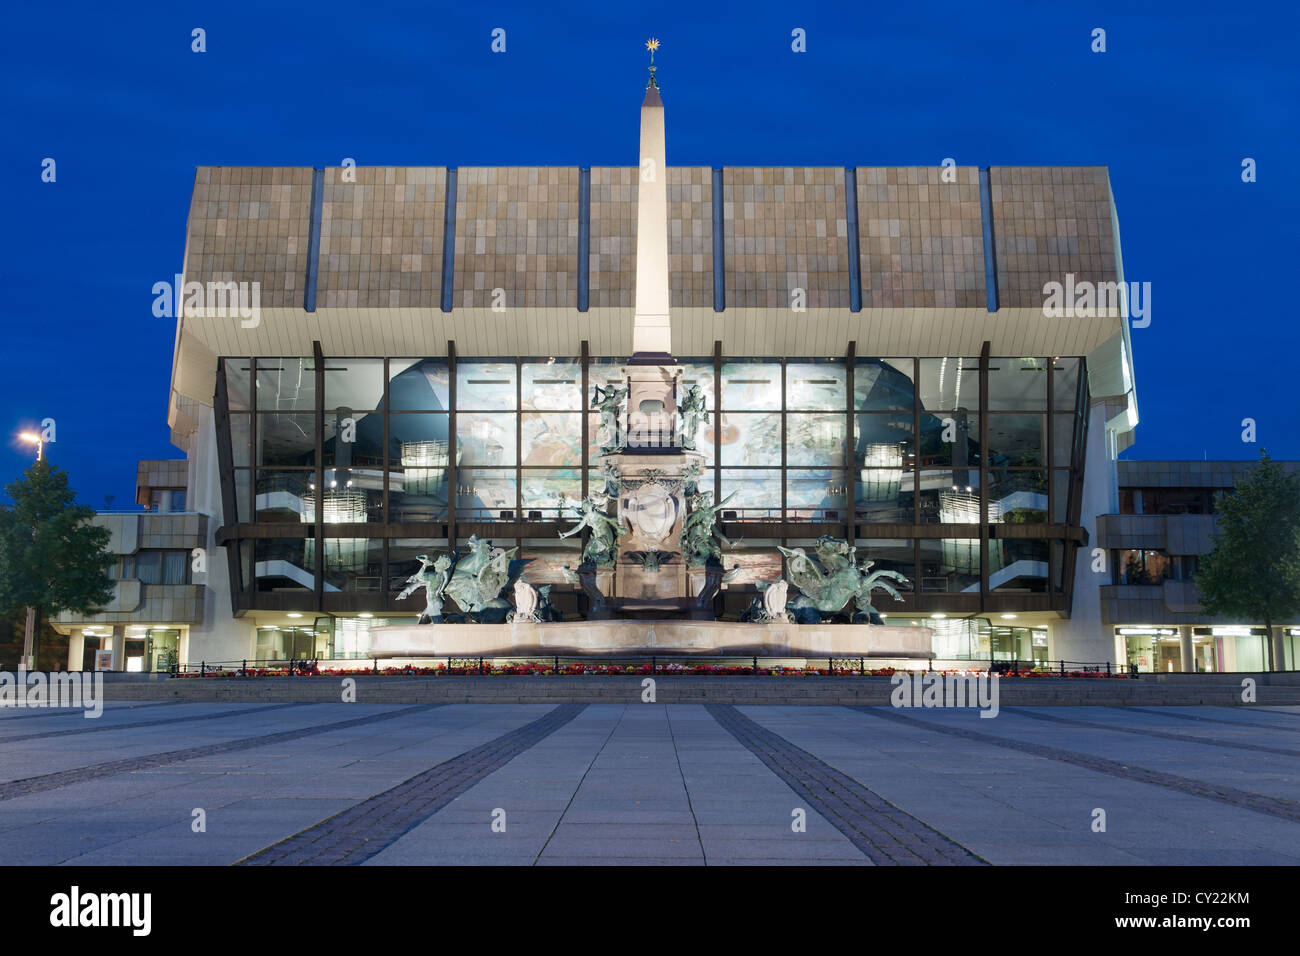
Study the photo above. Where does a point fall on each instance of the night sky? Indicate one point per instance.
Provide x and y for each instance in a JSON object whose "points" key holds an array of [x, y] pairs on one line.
{"points": [[115, 96]]}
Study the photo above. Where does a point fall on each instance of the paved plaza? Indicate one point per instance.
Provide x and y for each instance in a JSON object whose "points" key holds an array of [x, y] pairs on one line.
{"points": [[636, 783]]}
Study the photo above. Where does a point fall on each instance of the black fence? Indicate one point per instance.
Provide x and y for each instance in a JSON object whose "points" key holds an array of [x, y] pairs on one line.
{"points": [[666, 665]]}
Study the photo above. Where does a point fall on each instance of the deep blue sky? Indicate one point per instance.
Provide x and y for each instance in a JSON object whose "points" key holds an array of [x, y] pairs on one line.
{"points": [[114, 95]]}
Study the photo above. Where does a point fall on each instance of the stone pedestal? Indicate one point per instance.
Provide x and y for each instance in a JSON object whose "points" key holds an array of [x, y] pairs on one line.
{"points": [[652, 406], [652, 501]]}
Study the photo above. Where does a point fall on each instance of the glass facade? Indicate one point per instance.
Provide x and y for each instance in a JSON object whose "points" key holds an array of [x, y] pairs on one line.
{"points": [[962, 473]]}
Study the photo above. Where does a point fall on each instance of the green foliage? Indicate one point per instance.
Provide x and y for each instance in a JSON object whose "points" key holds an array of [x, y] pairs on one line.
{"points": [[1253, 573], [52, 557]]}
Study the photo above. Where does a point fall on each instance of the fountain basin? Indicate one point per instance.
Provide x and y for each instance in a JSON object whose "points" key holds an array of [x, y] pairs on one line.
{"points": [[626, 637]]}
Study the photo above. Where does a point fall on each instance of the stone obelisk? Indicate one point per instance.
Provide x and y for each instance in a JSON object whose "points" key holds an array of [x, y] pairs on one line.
{"points": [[652, 373], [651, 336]]}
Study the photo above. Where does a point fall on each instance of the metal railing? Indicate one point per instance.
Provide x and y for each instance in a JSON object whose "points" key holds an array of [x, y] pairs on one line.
{"points": [[656, 664]]}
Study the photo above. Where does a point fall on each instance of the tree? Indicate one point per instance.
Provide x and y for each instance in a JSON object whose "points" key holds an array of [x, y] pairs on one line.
{"points": [[1253, 573], [52, 558]]}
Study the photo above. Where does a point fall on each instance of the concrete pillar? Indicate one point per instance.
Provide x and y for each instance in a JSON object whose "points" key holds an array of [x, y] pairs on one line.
{"points": [[1185, 648], [76, 649], [118, 637], [1279, 648]]}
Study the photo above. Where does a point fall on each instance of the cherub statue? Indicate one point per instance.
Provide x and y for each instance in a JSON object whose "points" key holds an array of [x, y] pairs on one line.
{"points": [[434, 581], [691, 478], [692, 412], [609, 401], [605, 531], [613, 480], [701, 536]]}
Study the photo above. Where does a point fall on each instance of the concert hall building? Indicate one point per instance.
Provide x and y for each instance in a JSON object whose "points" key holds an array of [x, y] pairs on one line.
{"points": [[871, 341]]}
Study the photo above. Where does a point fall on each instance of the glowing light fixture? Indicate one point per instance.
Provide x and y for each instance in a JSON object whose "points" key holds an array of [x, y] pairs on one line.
{"points": [[338, 507], [425, 464]]}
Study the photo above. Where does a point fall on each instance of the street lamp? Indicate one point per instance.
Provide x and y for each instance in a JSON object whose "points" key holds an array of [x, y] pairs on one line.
{"points": [[34, 439], [29, 630]]}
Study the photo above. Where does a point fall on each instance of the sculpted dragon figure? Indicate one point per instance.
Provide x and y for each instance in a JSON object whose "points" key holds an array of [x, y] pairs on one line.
{"points": [[479, 578], [831, 577]]}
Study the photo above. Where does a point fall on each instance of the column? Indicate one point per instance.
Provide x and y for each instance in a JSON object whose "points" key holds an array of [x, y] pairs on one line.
{"points": [[117, 635], [1185, 648], [76, 649]]}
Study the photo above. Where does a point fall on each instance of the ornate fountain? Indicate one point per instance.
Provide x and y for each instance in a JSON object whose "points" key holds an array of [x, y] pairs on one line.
{"points": [[652, 559]]}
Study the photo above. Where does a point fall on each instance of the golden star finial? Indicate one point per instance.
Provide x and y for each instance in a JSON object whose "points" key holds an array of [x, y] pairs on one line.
{"points": [[652, 44]]}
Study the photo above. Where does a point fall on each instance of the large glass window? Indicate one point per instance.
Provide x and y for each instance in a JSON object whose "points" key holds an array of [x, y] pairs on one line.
{"points": [[949, 384], [486, 438], [1062, 439], [280, 566], [816, 494], [910, 433], [950, 565], [280, 493], [486, 385], [487, 494], [541, 490], [286, 438], [815, 439], [418, 385], [752, 493], [551, 439], [1017, 497], [752, 385], [1018, 384], [240, 439], [239, 382], [354, 383], [551, 385], [883, 385], [815, 385], [242, 481], [286, 384], [751, 438], [1023, 566], [1017, 441], [950, 438], [352, 564], [1065, 383], [353, 438]]}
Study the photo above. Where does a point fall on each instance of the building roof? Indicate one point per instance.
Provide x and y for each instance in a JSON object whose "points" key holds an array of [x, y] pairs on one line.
{"points": [[376, 282], [1188, 474]]}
